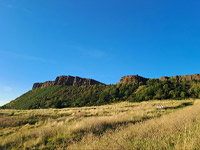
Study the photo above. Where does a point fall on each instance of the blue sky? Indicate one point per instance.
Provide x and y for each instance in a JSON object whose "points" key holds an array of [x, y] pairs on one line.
{"points": [[99, 39]]}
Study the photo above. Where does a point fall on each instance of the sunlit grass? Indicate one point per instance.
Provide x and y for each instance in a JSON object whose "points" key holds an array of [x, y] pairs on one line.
{"points": [[118, 126]]}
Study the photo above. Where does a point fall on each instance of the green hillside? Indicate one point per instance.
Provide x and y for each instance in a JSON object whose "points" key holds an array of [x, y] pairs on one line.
{"points": [[76, 96]]}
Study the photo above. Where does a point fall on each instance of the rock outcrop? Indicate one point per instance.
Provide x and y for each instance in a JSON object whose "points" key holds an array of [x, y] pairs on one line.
{"points": [[138, 79], [37, 85], [182, 78], [67, 81], [77, 81], [164, 78], [186, 78], [133, 79]]}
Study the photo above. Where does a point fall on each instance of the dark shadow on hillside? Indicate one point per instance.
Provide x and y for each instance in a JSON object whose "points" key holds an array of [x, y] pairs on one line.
{"points": [[130, 106], [3, 114], [180, 106], [77, 136]]}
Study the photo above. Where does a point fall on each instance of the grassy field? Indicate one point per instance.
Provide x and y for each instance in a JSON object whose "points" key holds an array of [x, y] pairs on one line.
{"points": [[120, 126]]}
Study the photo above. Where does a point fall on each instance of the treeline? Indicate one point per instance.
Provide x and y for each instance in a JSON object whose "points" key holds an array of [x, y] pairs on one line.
{"points": [[155, 89], [77, 96]]}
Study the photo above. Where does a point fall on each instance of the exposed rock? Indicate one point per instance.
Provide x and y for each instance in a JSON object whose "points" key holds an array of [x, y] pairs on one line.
{"points": [[77, 81], [164, 78], [80, 81], [68, 81], [37, 85], [64, 80], [138, 79], [133, 79], [48, 83], [181, 78], [186, 78]]}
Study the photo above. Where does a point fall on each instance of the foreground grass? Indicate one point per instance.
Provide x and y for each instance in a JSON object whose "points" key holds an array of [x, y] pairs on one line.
{"points": [[117, 126]]}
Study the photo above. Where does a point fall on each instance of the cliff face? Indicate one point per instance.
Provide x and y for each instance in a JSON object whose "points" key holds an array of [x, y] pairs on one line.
{"points": [[182, 78], [77, 81], [138, 79], [68, 81], [188, 77], [164, 78], [133, 79]]}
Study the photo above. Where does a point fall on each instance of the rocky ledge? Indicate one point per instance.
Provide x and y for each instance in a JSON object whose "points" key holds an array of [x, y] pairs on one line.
{"points": [[68, 81], [182, 78], [133, 79], [140, 79]]}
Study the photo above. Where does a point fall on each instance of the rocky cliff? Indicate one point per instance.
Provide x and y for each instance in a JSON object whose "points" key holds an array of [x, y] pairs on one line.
{"points": [[138, 79], [182, 78], [77, 81], [68, 81], [133, 79]]}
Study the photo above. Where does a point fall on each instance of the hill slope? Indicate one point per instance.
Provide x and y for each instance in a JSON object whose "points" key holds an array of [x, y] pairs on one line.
{"points": [[70, 96], [131, 88]]}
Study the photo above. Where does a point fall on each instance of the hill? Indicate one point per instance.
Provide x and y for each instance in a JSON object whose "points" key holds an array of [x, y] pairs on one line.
{"points": [[68, 91]]}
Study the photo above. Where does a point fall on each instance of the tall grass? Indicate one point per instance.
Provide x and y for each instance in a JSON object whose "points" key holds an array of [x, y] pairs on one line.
{"points": [[178, 130], [117, 126]]}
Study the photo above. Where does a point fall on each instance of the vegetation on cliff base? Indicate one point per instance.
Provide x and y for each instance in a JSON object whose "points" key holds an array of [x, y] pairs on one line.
{"points": [[77, 96]]}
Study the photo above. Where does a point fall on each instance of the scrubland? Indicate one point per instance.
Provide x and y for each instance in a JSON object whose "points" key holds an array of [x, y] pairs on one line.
{"points": [[119, 126]]}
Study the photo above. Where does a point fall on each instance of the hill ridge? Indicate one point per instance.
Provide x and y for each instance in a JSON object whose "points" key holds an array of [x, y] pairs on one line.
{"points": [[68, 81], [66, 91], [143, 80]]}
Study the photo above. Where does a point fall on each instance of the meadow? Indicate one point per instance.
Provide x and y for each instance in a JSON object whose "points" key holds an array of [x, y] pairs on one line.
{"points": [[119, 126]]}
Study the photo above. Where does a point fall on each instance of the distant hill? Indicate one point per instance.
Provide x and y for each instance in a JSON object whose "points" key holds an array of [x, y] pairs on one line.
{"points": [[68, 91]]}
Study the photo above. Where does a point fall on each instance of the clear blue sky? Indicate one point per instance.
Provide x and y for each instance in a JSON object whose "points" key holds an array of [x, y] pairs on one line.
{"points": [[99, 39]]}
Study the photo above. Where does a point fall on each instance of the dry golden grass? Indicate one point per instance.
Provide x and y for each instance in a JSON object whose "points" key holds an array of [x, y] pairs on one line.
{"points": [[118, 126]]}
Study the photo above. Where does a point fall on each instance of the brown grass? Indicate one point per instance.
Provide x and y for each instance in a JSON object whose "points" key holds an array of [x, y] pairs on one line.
{"points": [[117, 126]]}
